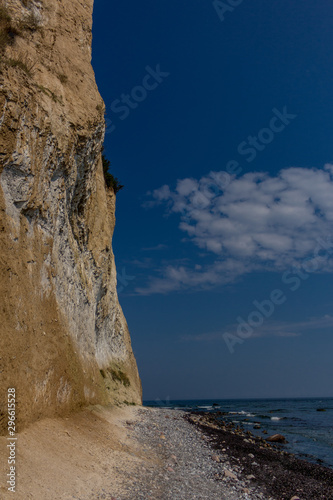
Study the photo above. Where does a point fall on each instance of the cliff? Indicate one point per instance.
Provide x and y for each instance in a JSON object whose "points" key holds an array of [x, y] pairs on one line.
{"points": [[64, 339]]}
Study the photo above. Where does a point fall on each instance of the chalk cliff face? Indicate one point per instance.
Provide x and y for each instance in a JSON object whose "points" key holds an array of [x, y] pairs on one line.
{"points": [[64, 339]]}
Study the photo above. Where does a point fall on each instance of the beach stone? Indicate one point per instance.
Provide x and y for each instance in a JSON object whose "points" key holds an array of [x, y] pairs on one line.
{"points": [[295, 498], [276, 438], [229, 474], [251, 455], [162, 436], [215, 458], [195, 476]]}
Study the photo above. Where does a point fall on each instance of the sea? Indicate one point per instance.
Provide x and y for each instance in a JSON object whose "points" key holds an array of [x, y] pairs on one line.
{"points": [[307, 424]]}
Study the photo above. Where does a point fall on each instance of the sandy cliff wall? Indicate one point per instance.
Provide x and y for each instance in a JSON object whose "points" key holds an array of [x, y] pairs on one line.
{"points": [[64, 340]]}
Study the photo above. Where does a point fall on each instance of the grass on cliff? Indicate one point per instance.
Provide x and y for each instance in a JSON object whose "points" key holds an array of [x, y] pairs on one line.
{"points": [[49, 93], [8, 31], [117, 375], [110, 181], [121, 377], [18, 63], [30, 23]]}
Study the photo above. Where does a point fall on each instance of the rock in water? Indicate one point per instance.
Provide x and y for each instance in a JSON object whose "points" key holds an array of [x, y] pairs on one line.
{"points": [[277, 438]]}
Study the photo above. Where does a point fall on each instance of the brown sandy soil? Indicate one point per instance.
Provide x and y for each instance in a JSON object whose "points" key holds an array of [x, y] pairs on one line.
{"points": [[81, 456]]}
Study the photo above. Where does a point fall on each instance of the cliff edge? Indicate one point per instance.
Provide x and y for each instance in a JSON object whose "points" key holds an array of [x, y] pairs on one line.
{"points": [[64, 339]]}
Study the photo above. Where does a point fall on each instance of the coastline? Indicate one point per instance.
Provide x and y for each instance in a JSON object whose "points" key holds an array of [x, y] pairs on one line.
{"points": [[134, 452], [282, 475]]}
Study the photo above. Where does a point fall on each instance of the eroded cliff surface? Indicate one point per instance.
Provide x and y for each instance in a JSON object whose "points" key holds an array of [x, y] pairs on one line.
{"points": [[64, 339]]}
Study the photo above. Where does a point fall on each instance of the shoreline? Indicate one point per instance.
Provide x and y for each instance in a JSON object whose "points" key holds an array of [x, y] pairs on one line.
{"points": [[281, 474]]}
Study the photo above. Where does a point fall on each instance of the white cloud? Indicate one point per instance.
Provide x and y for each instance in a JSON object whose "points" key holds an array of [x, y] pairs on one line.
{"points": [[154, 248], [254, 222], [268, 329], [180, 277]]}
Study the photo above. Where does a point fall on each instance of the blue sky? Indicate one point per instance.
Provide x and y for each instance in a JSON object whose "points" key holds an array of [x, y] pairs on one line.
{"points": [[219, 124]]}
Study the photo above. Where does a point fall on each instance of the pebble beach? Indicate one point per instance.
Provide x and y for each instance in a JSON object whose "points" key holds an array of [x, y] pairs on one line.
{"points": [[200, 458], [132, 452]]}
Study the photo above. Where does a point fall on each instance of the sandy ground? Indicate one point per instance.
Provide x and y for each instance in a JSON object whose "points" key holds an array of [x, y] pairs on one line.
{"points": [[77, 457], [119, 453]]}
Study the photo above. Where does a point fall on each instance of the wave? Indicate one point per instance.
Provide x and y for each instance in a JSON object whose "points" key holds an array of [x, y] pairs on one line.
{"points": [[242, 413]]}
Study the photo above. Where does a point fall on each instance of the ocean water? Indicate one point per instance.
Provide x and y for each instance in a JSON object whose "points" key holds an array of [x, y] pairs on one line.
{"points": [[309, 432]]}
